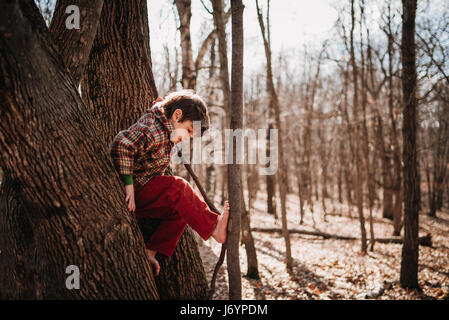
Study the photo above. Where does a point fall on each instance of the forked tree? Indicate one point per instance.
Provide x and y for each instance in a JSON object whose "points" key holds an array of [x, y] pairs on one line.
{"points": [[117, 88], [18, 274], [61, 171]]}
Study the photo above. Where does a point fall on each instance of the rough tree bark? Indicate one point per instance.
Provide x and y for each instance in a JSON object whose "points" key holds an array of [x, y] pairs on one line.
{"points": [[118, 84], [65, 185], [19, 275], [409, 263], [118, 87], [73, 44]]}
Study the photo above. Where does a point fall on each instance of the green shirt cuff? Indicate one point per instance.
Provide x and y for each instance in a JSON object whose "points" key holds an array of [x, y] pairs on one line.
{"points": [[127, 179]]}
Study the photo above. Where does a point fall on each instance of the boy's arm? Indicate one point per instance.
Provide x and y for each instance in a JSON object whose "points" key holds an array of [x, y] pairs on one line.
{"points": [[125, 146], [127, 179]]}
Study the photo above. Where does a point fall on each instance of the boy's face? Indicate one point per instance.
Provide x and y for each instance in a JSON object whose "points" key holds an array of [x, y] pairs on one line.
{"points": [[182, 130]]}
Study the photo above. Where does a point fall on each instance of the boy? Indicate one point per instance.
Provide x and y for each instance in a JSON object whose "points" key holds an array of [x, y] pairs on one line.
{"points": [[142, 153]]}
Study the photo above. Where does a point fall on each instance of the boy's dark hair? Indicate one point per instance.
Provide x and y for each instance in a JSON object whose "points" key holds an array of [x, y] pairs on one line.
{"points": [[192, 105]]}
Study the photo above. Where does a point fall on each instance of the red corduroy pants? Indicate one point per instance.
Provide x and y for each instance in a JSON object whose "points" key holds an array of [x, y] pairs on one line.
{"points": [[173, 200]]}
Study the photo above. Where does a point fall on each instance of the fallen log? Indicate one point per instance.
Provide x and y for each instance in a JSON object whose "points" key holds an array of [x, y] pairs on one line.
{"points": [[423, 241], [311, 233]]}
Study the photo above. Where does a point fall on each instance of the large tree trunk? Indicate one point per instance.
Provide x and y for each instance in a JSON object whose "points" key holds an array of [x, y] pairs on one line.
{"points": [[118, 84], [18, 247], [409, 263], [18, 272], [182, 276], [68, 188], [118, 87], [75, 44]]}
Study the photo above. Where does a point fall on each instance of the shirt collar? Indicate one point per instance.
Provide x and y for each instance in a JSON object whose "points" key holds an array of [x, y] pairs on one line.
{"points": [[158, 112]]}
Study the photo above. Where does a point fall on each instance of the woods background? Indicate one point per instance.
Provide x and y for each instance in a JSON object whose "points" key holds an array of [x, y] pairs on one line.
{"points": [[363, 122]]}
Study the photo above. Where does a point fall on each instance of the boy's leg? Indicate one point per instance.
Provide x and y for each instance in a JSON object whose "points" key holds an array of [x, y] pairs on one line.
{"points": [[173, 200], [166, 236]]}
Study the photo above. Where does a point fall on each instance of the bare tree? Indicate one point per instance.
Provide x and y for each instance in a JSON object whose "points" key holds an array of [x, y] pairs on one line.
{"points": [[436, 171], [282, 163], [368, 165], [395, 182], [409, 263], [357, 133], [188, 72], [234, 170]]}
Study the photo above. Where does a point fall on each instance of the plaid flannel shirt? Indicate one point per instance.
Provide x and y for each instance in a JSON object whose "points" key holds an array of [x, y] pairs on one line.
{"points": [[143, 151]]}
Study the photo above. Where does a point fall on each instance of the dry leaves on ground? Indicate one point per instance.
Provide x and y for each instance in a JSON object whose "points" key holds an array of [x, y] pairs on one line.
{"points": [[335, 269]]}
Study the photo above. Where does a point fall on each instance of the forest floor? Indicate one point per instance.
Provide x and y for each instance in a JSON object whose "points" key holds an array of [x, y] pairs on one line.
{"points": [[334, 269]]}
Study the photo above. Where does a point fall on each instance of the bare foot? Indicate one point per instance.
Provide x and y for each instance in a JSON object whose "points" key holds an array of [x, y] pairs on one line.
{"points": [[220, 231], [155, 264]]}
